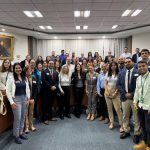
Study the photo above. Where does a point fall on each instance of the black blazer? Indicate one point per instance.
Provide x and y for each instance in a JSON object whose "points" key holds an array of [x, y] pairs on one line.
{"points": [[33, 89], [121, 83], [134, 57], [48, 81], [74, 78]]}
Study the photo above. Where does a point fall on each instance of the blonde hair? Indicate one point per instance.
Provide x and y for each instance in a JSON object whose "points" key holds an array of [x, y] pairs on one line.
{"points": [[61, 72]]}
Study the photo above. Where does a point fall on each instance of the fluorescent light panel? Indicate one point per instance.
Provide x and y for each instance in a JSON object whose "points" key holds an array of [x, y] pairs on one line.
{"points": [[3, 30], [49, 27], [86, 13], [79, 37], [114, 26], [32, 14], [136, 12], [42, 27], [78, 27], [77, 13], [85, 27], [38, 14], [126, 12]]}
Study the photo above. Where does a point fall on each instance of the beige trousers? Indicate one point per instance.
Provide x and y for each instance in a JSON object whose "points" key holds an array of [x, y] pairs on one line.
{"points": [[29, 116], [127, 106], [114, 102]]}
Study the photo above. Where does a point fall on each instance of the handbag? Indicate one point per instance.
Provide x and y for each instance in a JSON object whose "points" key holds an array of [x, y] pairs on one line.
{"points": [[3, 109]]}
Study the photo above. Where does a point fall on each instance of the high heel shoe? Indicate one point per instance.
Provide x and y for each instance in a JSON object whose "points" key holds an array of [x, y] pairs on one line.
{"points": [[26, 131], [92, 117], [111, 126], [89, 116]]}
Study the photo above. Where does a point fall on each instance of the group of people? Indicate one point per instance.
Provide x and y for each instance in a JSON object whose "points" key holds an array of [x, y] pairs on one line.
{"points": [[121, 84]]}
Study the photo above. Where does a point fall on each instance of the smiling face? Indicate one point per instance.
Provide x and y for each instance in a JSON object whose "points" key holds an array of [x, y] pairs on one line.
{"points": [[91, 69], [6, 64], [128, 64], [142, 68], [18, 69]]}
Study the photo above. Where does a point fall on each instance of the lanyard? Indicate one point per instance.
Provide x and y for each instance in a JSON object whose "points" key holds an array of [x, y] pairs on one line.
{"points": [[142, 84]]}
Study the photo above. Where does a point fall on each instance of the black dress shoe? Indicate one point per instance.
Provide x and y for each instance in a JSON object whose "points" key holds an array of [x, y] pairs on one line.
{"points": [[18, 140], [77, 115], [124, 135], [68, 116], [53, 119], [136, 139], [23, 136], [61, 117]]}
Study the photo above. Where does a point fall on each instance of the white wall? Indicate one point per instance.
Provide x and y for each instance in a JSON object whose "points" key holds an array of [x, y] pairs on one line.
{"points": [[20, 46], [140, 41]]}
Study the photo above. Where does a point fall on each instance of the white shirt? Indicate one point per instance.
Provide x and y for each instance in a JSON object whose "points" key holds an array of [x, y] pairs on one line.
{"points": [[3, 77], [125, 55], [71, 69], [126, 79], [64, 80]]}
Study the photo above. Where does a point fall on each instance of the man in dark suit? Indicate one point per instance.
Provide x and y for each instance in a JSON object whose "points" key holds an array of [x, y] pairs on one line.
{"points": [[50, 81], [126, 84], [135, 57], [26, 62], [108, 56]]}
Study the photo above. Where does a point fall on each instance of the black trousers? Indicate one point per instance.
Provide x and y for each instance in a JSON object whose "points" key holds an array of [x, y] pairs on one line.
{"points": [[48, 98], [102, 108], [78, 100], [66, 100], [145, 124]]}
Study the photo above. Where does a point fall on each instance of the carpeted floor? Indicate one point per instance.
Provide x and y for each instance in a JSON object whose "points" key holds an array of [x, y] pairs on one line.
{"points": [[73, 134]]}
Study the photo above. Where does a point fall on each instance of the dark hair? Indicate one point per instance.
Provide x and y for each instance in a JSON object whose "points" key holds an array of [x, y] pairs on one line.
{"points": [[145, 50], [39, 61], [46, 58], [126, 47], [110, 70], [76, 67], [3, 69], [90, 53], [129, 58], [142, 62], [22, 73]]}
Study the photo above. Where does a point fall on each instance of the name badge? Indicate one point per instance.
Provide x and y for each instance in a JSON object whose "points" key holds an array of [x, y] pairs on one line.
{"points": [[136, 75], [94, 78], [34, 81], [47, 74], [17, 81], [148, 66]]}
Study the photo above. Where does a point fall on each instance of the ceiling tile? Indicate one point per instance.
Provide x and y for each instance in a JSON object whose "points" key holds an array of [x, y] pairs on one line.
{"points": [[8, 7], [45, 7], [82, 6], [64, 7], [23, 7], [120, 6], [101, 6], [21, 1], [99, 13]]}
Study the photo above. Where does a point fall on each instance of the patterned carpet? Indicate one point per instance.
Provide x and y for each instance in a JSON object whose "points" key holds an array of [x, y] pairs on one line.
{"points": [[73, 134]]}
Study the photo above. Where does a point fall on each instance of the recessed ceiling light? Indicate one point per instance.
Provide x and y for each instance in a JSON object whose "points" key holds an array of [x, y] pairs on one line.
{"points": [[126, 13], [55, 37], [76, 13], [86, 13], [38, 14], [104, 37], [49, 27], [78, 27], [32, 14], [3, 30], [79, 37], [85, 27], [114, 26], [136, 12], [42, 27]]}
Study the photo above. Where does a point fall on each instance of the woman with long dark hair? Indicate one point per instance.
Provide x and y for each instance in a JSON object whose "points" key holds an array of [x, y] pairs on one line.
{"points": [[78, 81], [39, 60], [112, 95], [5, 73], [18, 94]]}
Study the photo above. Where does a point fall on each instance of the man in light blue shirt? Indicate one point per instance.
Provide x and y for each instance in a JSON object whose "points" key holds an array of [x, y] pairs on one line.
{"points": [[102, 109]]}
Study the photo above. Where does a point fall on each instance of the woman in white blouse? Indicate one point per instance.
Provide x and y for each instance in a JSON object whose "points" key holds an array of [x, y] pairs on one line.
{"points": [[5, 73], [64, 86]]}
